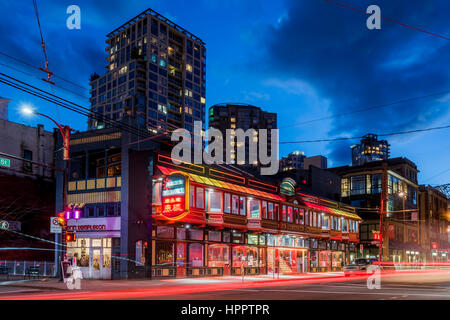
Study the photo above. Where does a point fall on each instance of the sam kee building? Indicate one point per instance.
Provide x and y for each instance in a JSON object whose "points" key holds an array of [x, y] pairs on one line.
{"points": [[145, 217], [219, 221]]}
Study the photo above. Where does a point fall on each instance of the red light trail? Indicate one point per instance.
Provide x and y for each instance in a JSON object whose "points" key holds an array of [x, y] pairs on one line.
{"points": [[183, 289]]}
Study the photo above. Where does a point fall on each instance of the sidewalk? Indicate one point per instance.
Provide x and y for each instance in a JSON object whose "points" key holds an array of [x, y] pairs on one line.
{"points": [[53, 284]]}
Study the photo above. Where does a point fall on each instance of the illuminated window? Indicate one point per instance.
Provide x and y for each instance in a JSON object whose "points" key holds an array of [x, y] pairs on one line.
{"points": [[242, 206], [264, 209], [253, 208], [290, 217], [270, 214], [188, 67], [235, 204], [123, 70], [214, 201], [200, 198], [227, 203], [191, 196]]}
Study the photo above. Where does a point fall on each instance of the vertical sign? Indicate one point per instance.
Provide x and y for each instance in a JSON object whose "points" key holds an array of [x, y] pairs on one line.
{"points": [[174, 196]]}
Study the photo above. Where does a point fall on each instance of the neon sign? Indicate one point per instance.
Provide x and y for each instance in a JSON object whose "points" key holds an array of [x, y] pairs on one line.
{"points": [[174, 196]]}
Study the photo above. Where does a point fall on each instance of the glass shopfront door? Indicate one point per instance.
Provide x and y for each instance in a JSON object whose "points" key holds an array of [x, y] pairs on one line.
{"points": [[93, 257]]}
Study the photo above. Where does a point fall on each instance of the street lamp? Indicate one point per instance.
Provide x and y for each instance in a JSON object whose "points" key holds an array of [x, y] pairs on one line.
{"points": [[65, 133]]}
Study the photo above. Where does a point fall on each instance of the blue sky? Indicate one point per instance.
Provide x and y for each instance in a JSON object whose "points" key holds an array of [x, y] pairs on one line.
{"points": [[304, 59]]}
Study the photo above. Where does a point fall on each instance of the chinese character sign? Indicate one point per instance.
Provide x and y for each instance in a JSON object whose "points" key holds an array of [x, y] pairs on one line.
{"points": [[174, 196]]}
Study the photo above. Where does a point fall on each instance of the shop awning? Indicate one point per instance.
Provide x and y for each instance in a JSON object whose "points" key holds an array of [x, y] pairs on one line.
{"points": [[224, 185], [333, 211]]}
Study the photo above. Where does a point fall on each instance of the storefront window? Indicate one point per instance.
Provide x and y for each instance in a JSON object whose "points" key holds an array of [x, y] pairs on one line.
{"points": [[227, 203], [181, 233], [245, 255], [200, 198], [80, 251], [164, 253], [283, 213], [275, 212], [262, 240], [214, 236], [195, 255], [242, 206], [253, 207], [307, 217], [218, 255], [272, 240], [252, 239], [235, 204], [165, 232], [226, 237], [195, 234], [238, 237], [214, 201]]}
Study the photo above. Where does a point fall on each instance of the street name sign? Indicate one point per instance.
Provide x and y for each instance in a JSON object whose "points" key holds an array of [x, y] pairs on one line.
{"points": [[5, 162]]}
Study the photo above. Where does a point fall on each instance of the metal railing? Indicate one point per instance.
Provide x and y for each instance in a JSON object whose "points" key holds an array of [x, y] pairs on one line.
{"points": [[10, 269]]}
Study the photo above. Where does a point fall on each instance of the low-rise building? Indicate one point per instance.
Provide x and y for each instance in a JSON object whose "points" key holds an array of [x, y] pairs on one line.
{"points": [[27, 189], [145, 216]]}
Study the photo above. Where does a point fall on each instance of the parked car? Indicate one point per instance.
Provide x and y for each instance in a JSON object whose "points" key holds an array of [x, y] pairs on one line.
{"points": [[358, 266]]}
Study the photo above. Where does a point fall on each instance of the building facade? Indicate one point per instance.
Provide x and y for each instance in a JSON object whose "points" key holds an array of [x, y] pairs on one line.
{"points": [[27, 188], [144, 216], [387, 186], [156, 74], [434, 225], [369, 149], [316, 161], [242, 116], [292, 161]]}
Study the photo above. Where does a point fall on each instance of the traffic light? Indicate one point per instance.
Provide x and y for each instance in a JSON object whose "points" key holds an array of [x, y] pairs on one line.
{"points": [[61, 219], [71, 236]]}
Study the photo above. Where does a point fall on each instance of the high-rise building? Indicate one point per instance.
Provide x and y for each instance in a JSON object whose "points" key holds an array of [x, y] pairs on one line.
{"points": [[370, 149], [293, 161], [242, 116], [156, 74]]}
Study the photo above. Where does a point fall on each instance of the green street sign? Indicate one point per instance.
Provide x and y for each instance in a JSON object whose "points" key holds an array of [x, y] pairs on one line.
{"points": [[5, 162], [4, 225]]}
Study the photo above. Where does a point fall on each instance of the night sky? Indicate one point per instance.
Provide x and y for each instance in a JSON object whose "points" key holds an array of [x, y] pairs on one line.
{"points": [[304, 59]]}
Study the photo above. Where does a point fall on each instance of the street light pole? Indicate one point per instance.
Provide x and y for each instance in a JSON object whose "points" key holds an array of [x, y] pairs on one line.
{"points": [[65, 133]]}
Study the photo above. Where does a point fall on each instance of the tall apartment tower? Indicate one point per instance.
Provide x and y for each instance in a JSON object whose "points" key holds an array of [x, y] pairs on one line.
{"points": [[242, 116], [370, 149], [156, 74]]}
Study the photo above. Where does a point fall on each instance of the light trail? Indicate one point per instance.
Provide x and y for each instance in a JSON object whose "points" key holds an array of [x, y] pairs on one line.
{"points": [[188, 289]]}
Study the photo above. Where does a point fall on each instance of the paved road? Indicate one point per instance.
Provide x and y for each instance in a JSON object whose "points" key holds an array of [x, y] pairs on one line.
{"points": [[435, 286], [328, 291]]}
